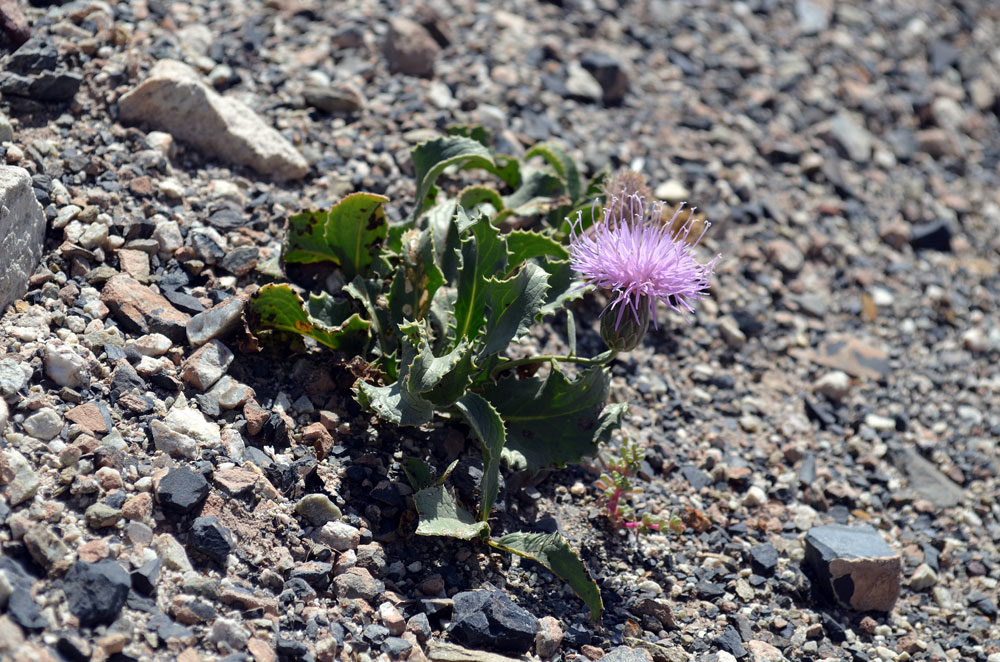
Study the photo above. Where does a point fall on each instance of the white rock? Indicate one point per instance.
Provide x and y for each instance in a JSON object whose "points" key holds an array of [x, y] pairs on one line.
{"points": [[581, 83], [168, 235], [65, 367], [183, 432], [923, 578], [755, 496], [153, 344], [6, 589], [4, 415], [731, 333], [171, 188], [175, 99], [672, 191], [25, 482], [44, 424], [22, 233], [975, 340], [171, 552], [339, 536], [835, 385]]}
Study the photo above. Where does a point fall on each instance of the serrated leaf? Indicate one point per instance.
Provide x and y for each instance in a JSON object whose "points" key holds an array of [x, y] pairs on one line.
{"points": [[562, 163], [427, 370], [488, 427], [327, 309], [455, 383], [417, 279], [556, 421], [394, 402], [432, 157], [564, 286], [512, 304], [536, 194], [278, 307], [507, 168], [472, 196], [484, 254], [344, 235], [440, 515], [368, 293], [553, 552], [526, 245]]}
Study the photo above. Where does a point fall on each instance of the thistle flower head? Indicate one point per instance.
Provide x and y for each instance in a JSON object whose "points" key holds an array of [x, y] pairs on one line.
{"points": [[639, 257]]}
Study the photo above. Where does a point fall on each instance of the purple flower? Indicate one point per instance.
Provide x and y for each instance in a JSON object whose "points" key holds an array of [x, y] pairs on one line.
{"points": [[640, 258]]}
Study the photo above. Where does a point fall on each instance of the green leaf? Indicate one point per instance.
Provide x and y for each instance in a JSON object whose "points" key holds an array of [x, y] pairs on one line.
{"points": [[472, 196], [455, 383], [562, 163], [440, 515], [564, 286], [427, 370], [526, 245], [553, 552], [432, 157], [556, 421], [368, 293], [483, 255], [327, 309], [478, 133], [417, 279], [344, 235], [417, 473], [537, 193], [513, 305], [488, 427], [278, 307], [394, 402]]}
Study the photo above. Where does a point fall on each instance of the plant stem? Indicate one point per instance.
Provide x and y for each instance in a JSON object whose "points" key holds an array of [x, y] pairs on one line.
{"points": [[600, 359]]}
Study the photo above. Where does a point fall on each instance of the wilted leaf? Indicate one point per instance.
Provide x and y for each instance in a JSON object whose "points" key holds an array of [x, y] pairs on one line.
{"points": [[556, 421], [278, 307], [488, 427], [553, 552], [344, 235], [440, 515]]}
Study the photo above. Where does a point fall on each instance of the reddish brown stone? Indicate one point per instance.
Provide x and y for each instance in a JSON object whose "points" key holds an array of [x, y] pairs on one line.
{"points": [[261, 650], [138, 507], [134, 263], [236, 482], [141, 186], [93, 551], [256, 417], [89, 417], [141, 310]]}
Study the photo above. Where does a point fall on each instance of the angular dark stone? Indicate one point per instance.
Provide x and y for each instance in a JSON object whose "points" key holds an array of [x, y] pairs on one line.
{"points": [[709, 590], [21, 606], [764, 559], [488, 619], [396, 647], [608, 71], [209, 537], [314, 573], [145, 577], [96, 592], [288, 649], [934, 236], [696, 477], [730, 642], [182, 490], [855, 566]]}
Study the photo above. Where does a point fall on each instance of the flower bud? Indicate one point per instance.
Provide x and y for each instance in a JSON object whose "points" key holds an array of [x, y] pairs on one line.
{"points": [[626, 334]]}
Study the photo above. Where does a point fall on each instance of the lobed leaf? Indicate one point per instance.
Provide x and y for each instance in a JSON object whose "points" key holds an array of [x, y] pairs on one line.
{"points": [[553, 552], [395, 402], [432, 157], [278, 307], [472, 196], [556, 421], [536, 193], [488, 427], [512, 306], [440, 515], [344, 235], [527, 245], [484, 254]]}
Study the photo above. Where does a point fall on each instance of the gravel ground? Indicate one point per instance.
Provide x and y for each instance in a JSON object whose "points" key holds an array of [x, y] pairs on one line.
{"points": [[169, 493]]}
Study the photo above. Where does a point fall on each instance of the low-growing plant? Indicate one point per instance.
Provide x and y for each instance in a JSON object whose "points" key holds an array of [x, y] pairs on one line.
{"points": [[434, 303], [619, 489]]}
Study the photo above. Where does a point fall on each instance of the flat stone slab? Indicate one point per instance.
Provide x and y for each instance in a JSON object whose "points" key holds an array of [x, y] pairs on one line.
{"points": [[174, 99], [855, 566], [22, 233]]}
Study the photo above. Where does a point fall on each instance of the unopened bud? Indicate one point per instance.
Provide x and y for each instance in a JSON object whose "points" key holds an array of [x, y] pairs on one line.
{"points": [[625, 334]]}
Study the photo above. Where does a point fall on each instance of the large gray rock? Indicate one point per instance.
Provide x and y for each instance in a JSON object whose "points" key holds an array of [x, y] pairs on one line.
{"points": [[22, 233], [174, 99]]}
